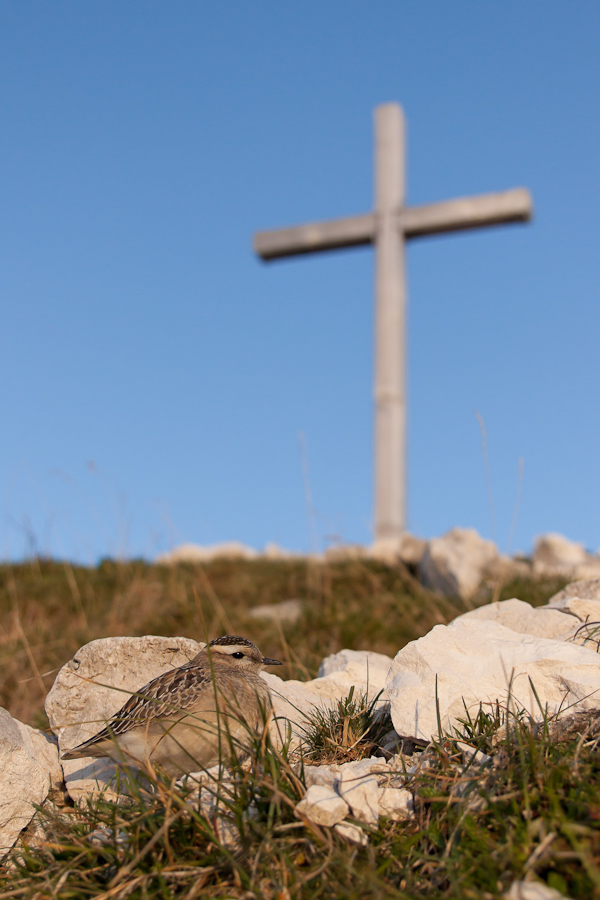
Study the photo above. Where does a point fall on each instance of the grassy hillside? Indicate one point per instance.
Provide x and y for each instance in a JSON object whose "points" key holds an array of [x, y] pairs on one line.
{"points": [[529, 812], [50, 609]]}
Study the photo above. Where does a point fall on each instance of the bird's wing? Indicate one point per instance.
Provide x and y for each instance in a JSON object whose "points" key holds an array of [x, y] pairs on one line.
{"points": [[169, 693]]}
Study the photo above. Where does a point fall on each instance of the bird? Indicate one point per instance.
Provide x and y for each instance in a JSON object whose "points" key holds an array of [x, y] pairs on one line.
{"points": [[190, 718]]}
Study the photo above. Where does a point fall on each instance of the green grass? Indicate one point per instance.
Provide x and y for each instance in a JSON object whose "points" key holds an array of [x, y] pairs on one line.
{"points": [[48, 610], [532, 810], [351, 730]]}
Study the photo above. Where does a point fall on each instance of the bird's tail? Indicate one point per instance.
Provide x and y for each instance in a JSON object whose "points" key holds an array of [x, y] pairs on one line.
{"points": [[82, 751]]}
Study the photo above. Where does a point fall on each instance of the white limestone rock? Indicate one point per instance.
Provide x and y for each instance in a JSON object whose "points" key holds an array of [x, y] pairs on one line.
{"points": [[395, 803], [555, 555], [508, 568], [287, 611], [372, 764], [93, 686], [103, 836], [195, 553], [587, 589], [352, 833], [323, 806], [215, 797], [294, 702], [555, 551], [326, 776], [329, 775], [456, 563], [44, 749], [361, 793], [473, 756], [25, 778], [391, 742], [526, 619], [274, 551], [407, 549], [359, 663], [476, 662], [359, 768], [533, 890], [580, 599], [364, 669]]}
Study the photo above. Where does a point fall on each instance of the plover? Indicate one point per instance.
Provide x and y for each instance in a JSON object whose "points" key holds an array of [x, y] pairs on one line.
{"points": [[188, 718]]}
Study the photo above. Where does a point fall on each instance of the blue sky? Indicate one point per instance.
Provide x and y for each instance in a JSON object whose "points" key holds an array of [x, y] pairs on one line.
{"points": [[156, 375]]}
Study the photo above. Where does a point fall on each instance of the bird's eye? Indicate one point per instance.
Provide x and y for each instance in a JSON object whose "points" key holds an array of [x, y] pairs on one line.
{"points": [[238, 655]]}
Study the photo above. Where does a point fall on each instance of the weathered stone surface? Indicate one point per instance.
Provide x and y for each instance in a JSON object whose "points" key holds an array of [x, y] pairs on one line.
{"points": [[508, 568], [456, 563], [355, 662], [24, 779], [44, 749], [533, 890], [584, 590], [323, 806], [359, 768], [286, 611], [364, 669], [274, 551], [94, 685], [475, 757], [361, 793], [555, 555], [555, 551], [103, 836], [407, 548], [391, 742], [294, 702], [526, 619], [475, 662], [215, 798], [194, 553], [351, 833], [326, 776], [330, 775], [395, 803], [581, 599]]}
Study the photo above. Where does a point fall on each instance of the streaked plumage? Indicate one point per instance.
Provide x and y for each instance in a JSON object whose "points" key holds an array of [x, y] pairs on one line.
{"points": [[183, 720]]}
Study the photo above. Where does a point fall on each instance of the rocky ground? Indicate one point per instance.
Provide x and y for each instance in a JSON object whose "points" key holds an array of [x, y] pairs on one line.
{"points": [[455, 564], [359, 736]]}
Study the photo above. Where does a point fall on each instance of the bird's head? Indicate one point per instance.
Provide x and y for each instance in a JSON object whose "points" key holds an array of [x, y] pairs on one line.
{"points": [[239, 651]]}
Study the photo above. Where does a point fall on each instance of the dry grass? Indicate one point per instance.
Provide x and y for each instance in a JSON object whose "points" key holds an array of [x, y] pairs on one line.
{"points": [[531, 811], [526, 810], [50, 609]]}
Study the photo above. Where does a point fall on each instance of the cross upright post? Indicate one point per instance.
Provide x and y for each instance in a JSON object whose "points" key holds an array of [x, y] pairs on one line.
{"points": [[388, 227], [390, 325]]}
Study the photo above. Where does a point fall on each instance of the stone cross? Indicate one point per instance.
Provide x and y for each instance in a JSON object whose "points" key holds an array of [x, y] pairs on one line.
{"points": [[388, 227]]}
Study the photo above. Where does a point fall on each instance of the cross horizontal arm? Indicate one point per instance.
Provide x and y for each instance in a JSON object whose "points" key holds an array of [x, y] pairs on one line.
{"points": [[330, 235], [514, 205], [467, 212]]}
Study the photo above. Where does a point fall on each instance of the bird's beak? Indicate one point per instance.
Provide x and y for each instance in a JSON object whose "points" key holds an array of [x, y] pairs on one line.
{"points": [[271, 662]]}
